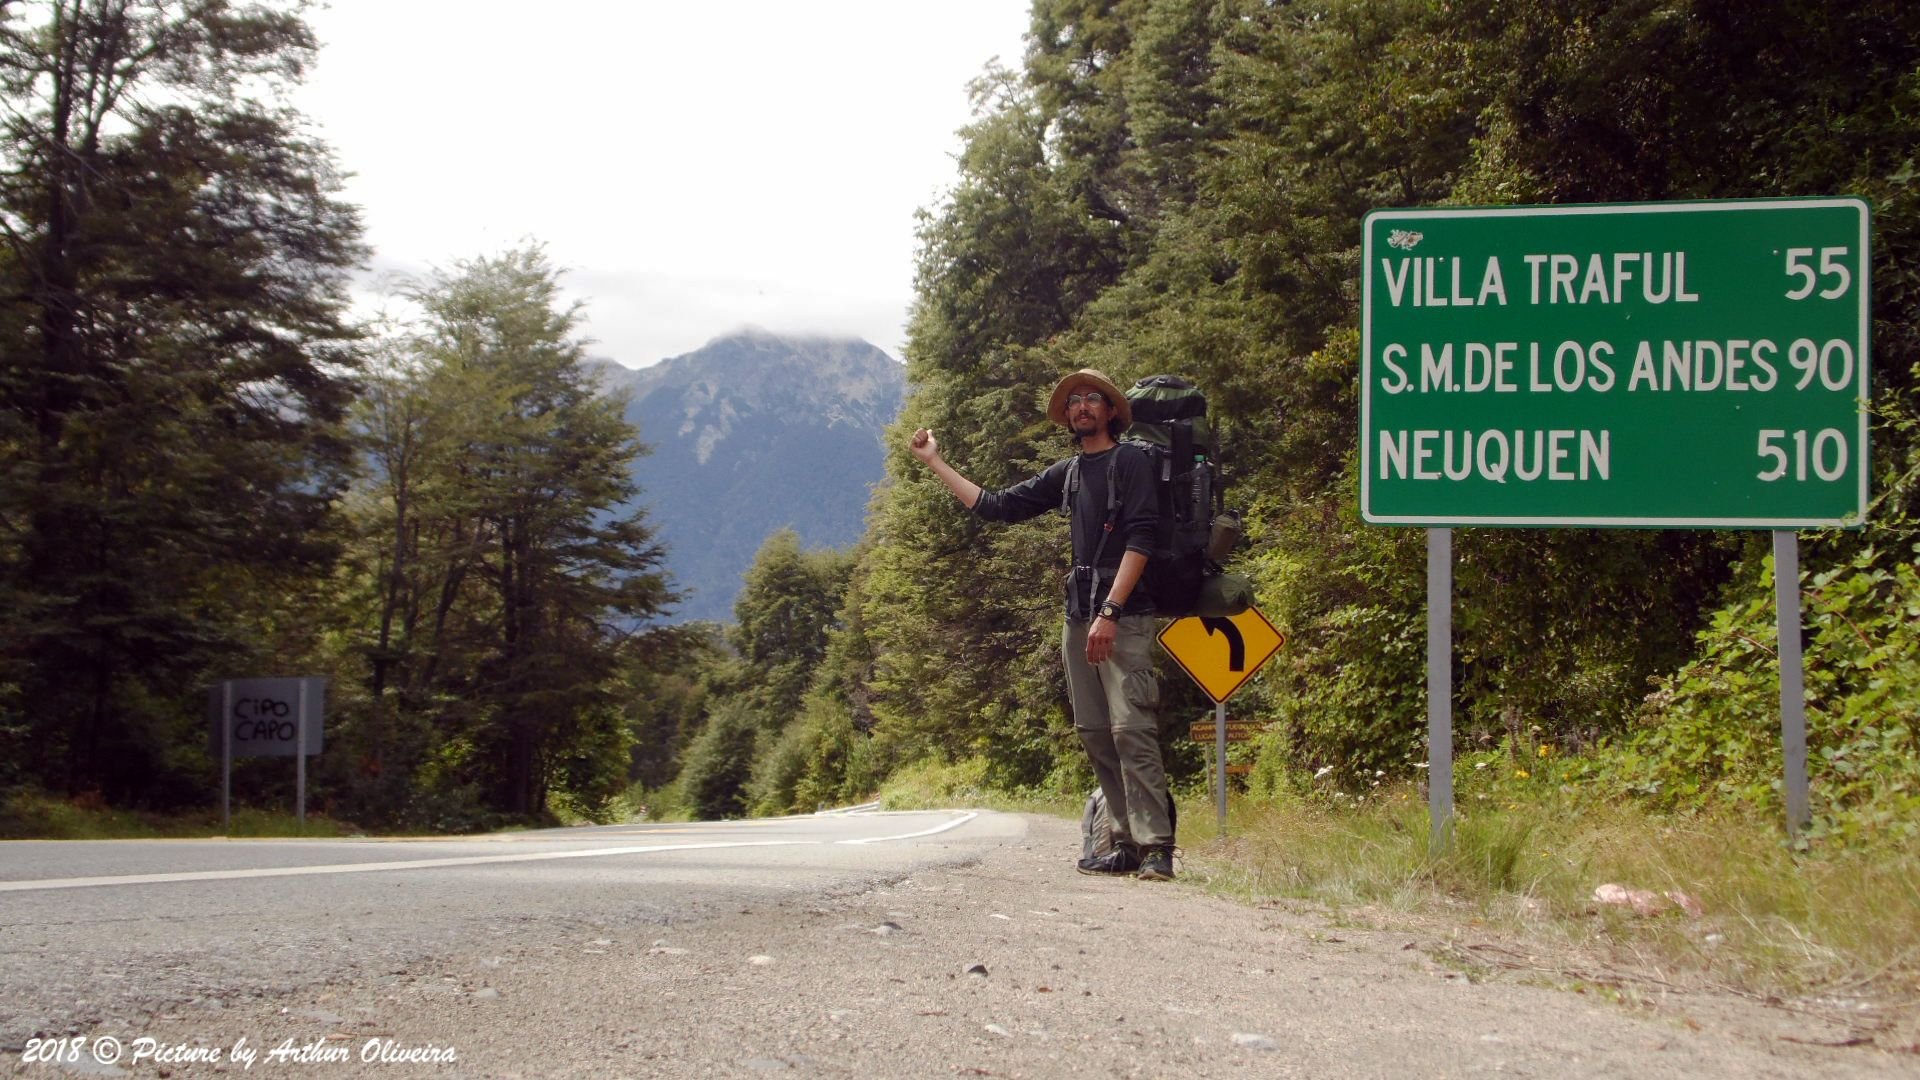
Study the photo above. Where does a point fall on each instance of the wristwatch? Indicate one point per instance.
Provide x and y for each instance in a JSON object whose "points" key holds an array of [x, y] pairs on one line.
{"points": [[1108, 610]]}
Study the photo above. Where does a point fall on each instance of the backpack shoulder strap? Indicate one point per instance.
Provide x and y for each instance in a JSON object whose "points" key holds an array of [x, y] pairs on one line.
{"points": [[1072, 487]]}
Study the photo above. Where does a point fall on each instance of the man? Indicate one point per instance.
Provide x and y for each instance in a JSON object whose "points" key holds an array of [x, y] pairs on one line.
{"points": [[1108, 638]]}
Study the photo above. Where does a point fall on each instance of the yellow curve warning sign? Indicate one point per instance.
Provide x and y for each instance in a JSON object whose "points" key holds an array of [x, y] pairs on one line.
{"points": [[1222, 653]]}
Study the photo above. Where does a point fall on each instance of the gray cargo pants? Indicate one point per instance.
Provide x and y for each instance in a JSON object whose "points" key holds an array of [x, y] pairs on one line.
{"points": [[1116, 710]]}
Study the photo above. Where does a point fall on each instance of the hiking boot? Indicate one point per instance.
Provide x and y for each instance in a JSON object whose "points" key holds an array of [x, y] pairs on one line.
{"points": [[1157, 865], [1121, 860]]}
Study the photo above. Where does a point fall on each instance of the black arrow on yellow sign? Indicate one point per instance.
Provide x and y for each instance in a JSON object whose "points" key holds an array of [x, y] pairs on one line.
{"points": [[1195, 644], [1236, 645]]}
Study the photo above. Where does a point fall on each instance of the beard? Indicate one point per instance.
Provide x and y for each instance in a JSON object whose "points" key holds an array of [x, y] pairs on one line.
{"points": [[1085, 424]]}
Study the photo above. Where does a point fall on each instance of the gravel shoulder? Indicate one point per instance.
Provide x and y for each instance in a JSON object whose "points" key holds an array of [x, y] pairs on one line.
{"points": [[1002, 963]]}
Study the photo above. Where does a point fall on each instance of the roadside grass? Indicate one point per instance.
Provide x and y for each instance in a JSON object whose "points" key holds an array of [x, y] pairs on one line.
{"points": [[1839, 923], [29, 816], [930, 785]]}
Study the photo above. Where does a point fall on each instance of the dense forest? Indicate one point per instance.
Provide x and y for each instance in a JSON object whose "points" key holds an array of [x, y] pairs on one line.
{"points": [[1173, 186], [208, 469]]}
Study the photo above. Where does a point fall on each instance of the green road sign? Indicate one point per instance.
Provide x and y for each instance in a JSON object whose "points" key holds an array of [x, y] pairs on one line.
{"points": [[1671, 365]]}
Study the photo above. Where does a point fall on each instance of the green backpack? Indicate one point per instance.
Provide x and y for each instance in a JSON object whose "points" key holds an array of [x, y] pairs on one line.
{"points": [[1197, 533]]}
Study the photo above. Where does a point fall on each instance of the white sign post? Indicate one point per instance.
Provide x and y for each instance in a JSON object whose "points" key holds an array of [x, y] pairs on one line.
{"points": [[1793, 677]]}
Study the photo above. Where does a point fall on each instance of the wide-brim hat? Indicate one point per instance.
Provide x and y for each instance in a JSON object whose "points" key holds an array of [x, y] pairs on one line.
{"points": [[1057, 406]]}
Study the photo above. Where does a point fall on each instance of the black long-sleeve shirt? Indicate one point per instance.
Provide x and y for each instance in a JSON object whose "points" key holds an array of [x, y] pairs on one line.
{"points": [[1136, 518]]}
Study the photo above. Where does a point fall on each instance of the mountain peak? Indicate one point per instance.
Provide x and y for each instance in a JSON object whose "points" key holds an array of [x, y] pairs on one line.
{"points": [[757, 368], [751, 432]]}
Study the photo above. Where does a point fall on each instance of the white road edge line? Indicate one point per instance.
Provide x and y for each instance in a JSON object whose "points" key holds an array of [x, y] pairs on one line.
{"points": [[849, 811], [370, 867], [427, 864], [954, 824]]}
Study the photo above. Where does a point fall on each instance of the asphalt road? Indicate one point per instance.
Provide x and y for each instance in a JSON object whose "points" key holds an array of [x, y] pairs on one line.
{"points": [[95, 934], [870, 945]]}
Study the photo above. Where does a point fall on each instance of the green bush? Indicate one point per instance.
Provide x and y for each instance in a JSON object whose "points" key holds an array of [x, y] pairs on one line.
{"points": [[719, 763], [844, 764], [781, 765], [1711, 731], [589, 775], [1352, 674], [642, 803]]}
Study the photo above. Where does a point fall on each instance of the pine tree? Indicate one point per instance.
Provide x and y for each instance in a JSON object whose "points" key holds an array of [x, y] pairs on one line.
{"points": [[173, 360], [783, 615]]}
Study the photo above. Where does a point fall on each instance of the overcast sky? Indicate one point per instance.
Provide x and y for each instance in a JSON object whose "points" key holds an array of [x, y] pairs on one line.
{"points": [[694, 167]]}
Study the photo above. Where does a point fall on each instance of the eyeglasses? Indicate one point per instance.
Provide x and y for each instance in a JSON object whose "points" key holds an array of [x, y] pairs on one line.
{"points": [[1091, 397]]}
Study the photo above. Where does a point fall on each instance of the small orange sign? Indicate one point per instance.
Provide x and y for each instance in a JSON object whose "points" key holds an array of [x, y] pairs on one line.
{"points": [[1237, 730]]}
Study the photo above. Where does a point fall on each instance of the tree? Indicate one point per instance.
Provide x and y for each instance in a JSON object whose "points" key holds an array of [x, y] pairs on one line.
{"points": [[719, 763], [782, 618], [1127, 87], [541, 549], [670, 687], [174, 361]]}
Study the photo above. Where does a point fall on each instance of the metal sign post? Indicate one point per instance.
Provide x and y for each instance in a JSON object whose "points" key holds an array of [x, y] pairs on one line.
{"points": [[1793, 692], [226, 760], [1440, 684], [1220, 765], [300, 757]]}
